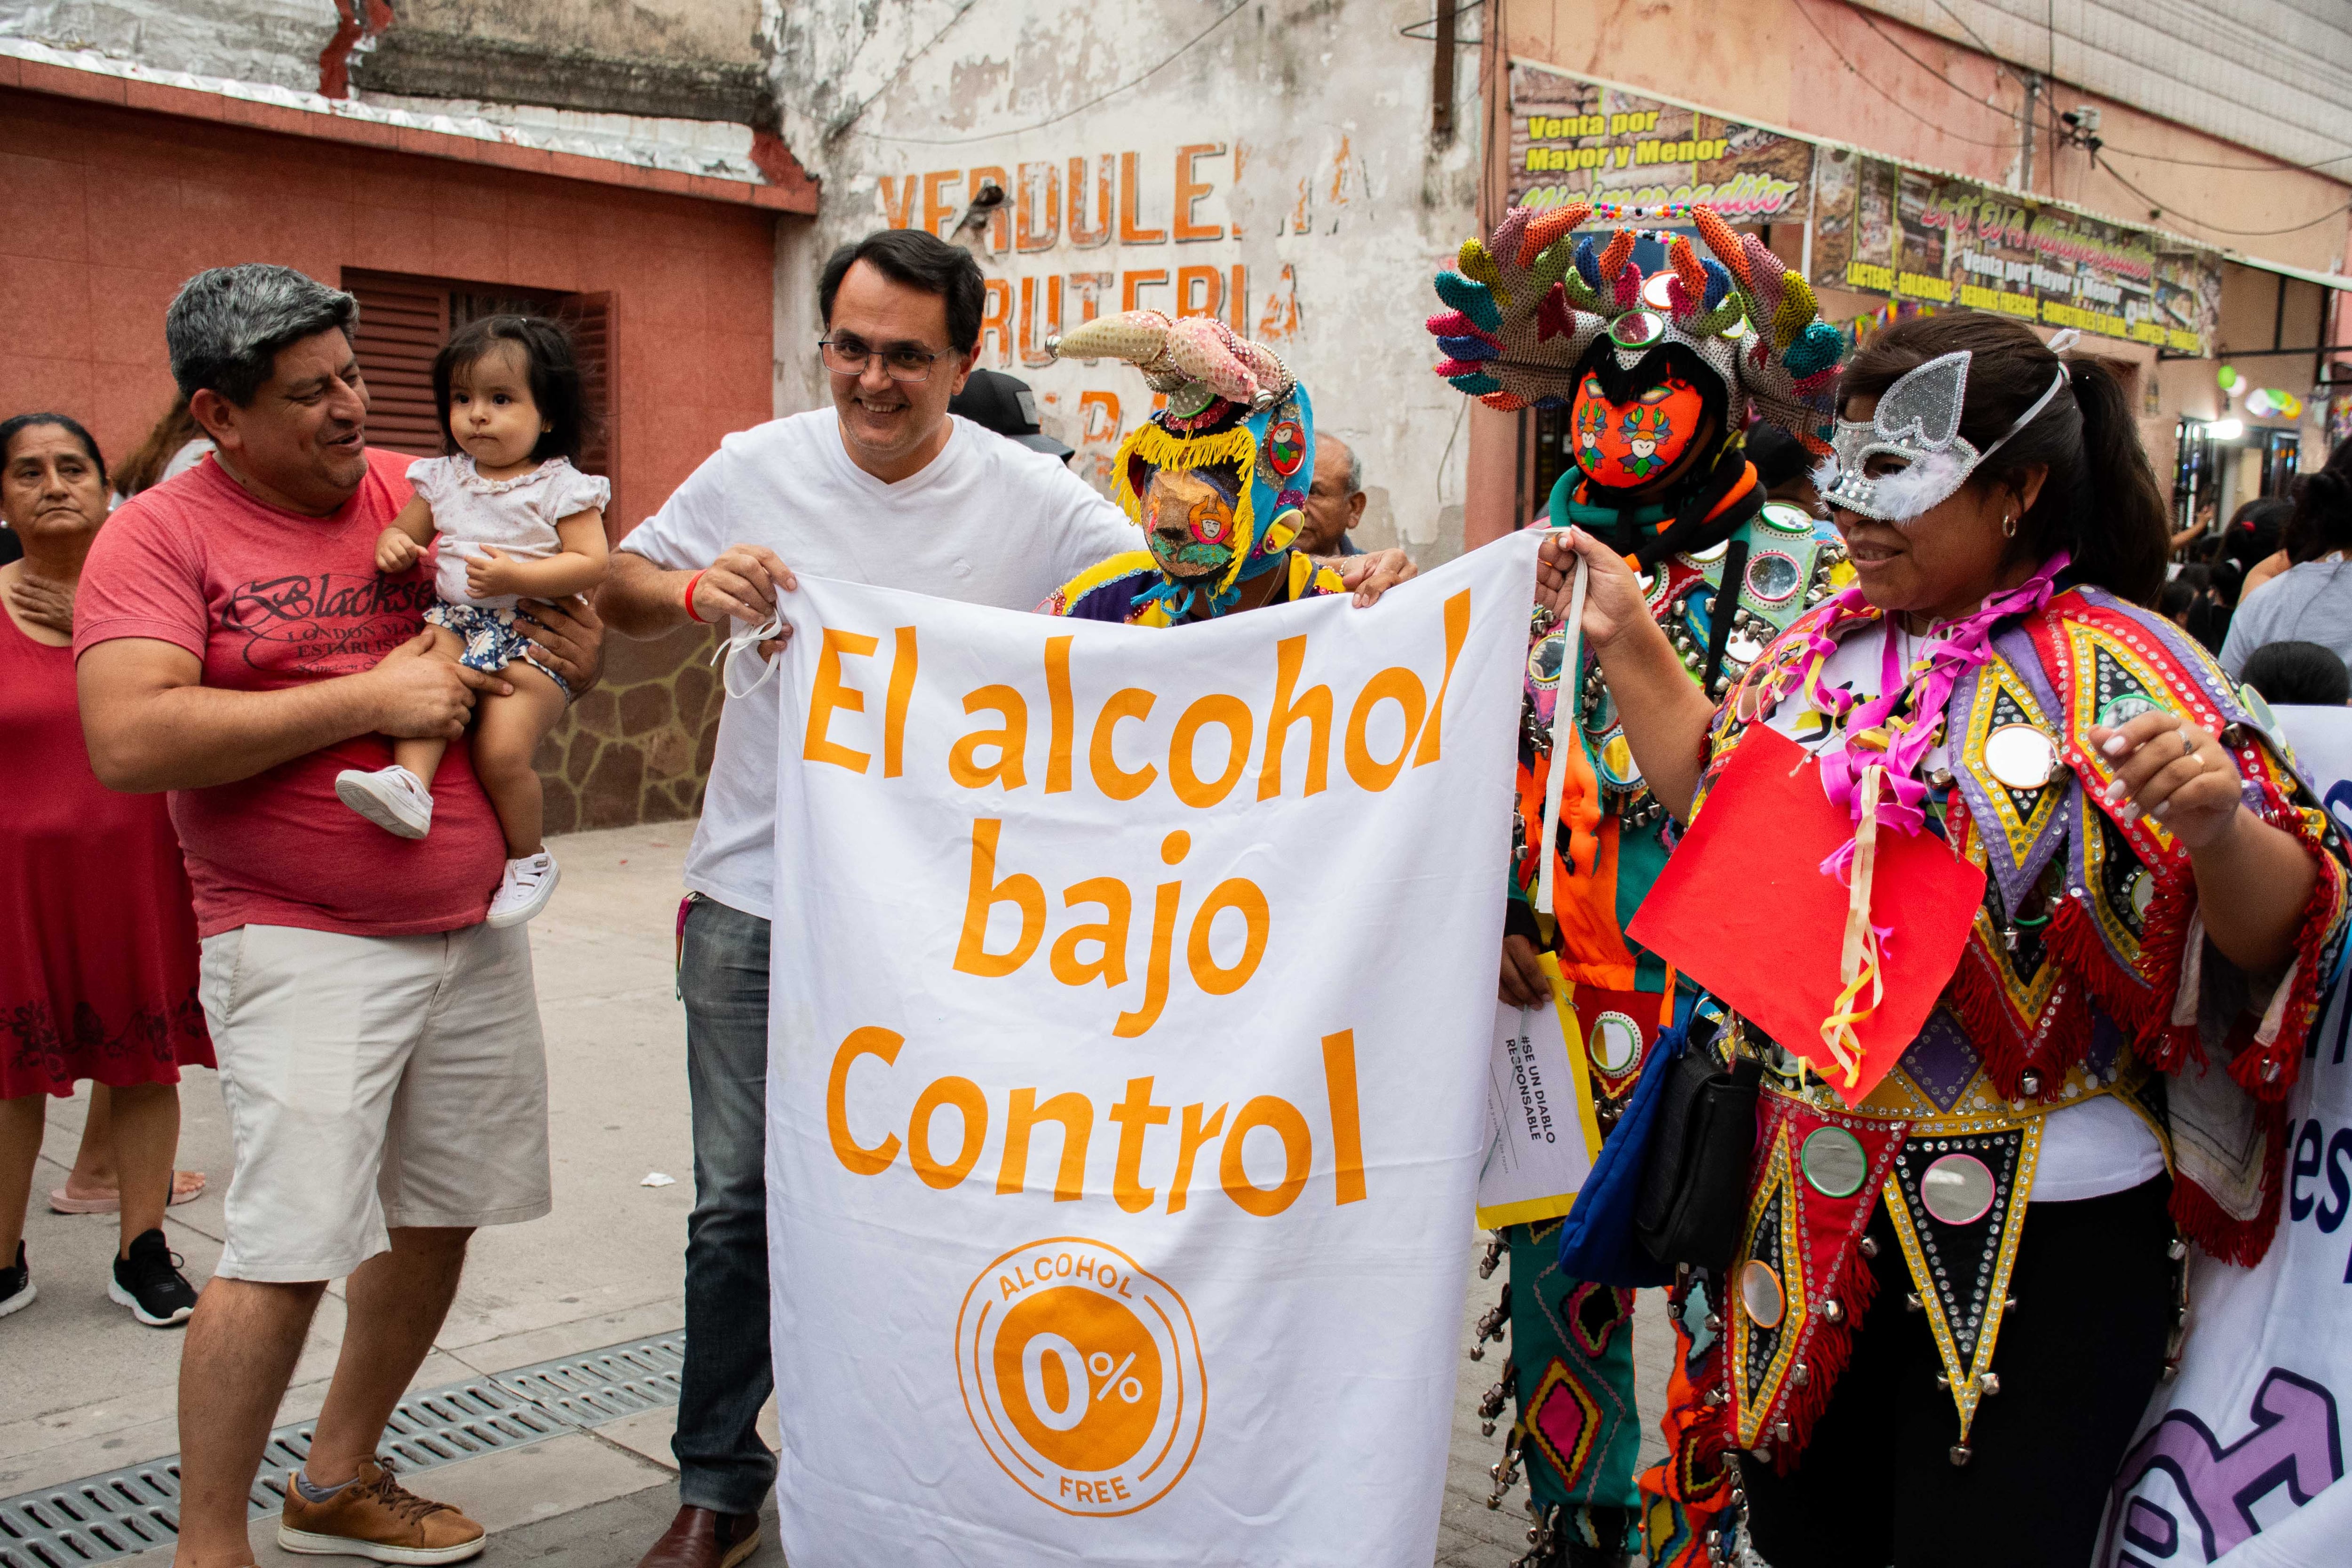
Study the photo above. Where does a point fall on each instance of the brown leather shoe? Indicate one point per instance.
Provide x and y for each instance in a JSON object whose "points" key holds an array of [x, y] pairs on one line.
{"points": [[377, 1517], [699, 1538]]}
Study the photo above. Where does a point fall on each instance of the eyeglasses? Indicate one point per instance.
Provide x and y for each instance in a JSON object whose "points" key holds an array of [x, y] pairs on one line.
{"points": [[850, 356]]}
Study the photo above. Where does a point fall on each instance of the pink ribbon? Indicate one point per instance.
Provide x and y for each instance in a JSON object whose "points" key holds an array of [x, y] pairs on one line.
{"points": [[1961, 646]]}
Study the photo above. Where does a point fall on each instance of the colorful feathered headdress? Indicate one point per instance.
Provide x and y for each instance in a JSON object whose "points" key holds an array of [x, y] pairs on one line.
{"points": [[1535, 306]]}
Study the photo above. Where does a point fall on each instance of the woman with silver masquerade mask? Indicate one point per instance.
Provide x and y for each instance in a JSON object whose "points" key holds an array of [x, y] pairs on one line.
{"points": [[1993, 1217]]}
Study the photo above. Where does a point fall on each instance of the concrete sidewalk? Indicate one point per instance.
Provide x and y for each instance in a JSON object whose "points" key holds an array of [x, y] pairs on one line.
{"points": [[84, 1389]]}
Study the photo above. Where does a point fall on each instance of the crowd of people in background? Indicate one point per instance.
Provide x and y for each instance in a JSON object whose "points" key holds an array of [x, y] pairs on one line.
{"points": [[2273, 576]]}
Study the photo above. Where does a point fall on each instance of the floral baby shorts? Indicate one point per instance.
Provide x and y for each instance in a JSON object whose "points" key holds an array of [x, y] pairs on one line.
{"points": [[493, 638]]}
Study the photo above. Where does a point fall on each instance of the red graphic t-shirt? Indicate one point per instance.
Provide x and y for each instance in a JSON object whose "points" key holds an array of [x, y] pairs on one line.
{"points": [[269, 599]]}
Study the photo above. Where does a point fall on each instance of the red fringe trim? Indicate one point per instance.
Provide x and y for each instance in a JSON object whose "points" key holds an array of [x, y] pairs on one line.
{"points": [[1825, 1354], [2267, 1074], [1980, 1000], [1980, 995], [2141, 1001], [2224, 1235]]}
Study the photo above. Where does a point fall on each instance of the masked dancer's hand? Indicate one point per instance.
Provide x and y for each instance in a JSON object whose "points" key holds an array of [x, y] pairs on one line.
{"points": [[2176, 772], [1612, 597], [1524, 983]]}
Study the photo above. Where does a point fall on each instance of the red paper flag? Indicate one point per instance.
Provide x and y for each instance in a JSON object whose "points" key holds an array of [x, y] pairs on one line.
{"points": [[1744, 909]]}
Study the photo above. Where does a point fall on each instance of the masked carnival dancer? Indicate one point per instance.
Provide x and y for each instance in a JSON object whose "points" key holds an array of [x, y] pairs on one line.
{"points": [[1659, 375], [1217, 479], [1956, 1287]]}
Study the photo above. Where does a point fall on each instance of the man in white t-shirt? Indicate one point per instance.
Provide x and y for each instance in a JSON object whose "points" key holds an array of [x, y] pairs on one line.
{"points": [[886, 487]]}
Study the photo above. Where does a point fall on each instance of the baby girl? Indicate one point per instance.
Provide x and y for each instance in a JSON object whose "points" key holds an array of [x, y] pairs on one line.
{"points": [[516, 520]]}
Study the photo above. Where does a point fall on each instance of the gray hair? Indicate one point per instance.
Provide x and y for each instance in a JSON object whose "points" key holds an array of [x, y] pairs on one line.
{"points": [[1355, 464], [224, 329]]}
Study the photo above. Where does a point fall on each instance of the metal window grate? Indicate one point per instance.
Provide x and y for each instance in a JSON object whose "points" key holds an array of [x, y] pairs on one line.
{"points": [[104, 1517]]}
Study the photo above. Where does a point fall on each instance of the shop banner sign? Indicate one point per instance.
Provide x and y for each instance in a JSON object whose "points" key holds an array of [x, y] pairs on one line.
{"points": [[2242, 1460], [1881, 228], [1132, 997], [1574, 139]]}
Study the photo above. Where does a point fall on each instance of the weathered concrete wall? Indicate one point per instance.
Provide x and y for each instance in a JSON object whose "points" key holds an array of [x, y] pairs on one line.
{"points": [[683, 31], [1278, 171], [2272, 74], [273, 41], [675, 60]]}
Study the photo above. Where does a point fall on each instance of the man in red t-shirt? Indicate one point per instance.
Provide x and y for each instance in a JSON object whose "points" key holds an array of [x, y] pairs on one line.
{"points": [[237, 647]]}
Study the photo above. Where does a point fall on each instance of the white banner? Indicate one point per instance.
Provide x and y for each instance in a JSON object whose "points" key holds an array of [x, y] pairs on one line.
{"points": [[1132, 998], [2242, 1462]]}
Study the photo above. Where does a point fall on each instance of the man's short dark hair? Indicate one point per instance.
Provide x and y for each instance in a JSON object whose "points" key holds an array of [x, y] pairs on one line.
{"points": [[224, 329], [920, 260]]}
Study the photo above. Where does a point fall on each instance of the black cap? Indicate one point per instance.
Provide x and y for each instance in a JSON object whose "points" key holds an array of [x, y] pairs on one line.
{"points": [[1004, 404]]}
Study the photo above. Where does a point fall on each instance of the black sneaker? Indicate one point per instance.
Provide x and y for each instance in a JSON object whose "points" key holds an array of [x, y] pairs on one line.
{"points": [[150, 1283], [16, 1284]]}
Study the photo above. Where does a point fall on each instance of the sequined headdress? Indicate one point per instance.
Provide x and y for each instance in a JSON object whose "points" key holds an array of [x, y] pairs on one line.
{"points": [[1535, 308], [1233, 407]]}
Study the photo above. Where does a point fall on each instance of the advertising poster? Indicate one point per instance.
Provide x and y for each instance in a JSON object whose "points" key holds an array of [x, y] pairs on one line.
{"points": [[1573, 139], [1881, 228]]}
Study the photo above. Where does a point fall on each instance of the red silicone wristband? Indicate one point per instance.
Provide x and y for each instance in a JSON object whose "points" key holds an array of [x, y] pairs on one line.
{"points": [[691, 583]]}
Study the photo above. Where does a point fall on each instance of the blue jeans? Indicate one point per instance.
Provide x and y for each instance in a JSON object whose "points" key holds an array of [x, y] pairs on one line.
{"points": [[723, 976]]}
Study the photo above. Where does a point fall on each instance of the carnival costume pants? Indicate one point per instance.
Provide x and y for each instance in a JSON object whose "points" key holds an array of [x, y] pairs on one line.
{"points": [[1686, 1494], [1573, 1343], [2078, 1358]]}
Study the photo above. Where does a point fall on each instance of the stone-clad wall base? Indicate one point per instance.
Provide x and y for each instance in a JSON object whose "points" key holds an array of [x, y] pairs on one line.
{"points": [[637, 748]]}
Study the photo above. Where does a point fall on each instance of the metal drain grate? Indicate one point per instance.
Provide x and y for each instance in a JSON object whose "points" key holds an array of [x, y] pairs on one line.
{"points": [[603, 1385], [104, 1517]]}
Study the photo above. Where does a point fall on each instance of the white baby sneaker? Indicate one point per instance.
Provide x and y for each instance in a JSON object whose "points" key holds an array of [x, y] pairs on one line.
{"points": [[529, 883], [392, 798]]}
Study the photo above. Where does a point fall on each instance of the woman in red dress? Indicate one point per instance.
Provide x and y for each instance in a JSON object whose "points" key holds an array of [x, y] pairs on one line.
{"points": [[98, 938]]}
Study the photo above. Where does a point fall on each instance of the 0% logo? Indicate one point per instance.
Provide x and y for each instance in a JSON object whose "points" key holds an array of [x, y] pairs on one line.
{"points": [[1082, 1374], [1077, 1375]]}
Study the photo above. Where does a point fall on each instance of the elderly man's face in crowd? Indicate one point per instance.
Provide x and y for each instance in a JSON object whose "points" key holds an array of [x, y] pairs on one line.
{"points": [[886, 423], [303, 438], [1331, 512]]}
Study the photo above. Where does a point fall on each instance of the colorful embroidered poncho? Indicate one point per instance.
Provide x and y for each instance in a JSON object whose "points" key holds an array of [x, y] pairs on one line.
{"points": [[2086, 974]]}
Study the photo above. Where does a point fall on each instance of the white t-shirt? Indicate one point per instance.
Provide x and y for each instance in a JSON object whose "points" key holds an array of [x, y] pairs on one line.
{"points": [[987, 521], [2090, 1150]]}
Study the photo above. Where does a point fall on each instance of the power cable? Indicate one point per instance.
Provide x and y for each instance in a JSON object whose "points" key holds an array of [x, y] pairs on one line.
{"points": [[1896, 44], [834, 131], [1977, 38], [2241, 168], [1998, 65], [1223, 17], [2116, 174], [1872, 83]]}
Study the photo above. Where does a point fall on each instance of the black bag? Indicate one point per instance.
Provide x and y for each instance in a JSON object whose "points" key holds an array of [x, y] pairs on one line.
{"points": [[1694, 1197]]}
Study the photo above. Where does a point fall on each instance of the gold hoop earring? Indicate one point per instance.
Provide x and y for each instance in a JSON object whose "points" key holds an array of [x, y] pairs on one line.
{"points": [[2009, 526]]}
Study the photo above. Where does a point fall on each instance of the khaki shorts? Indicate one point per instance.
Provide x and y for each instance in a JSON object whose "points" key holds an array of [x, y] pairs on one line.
{"points": [[373, 1082]]}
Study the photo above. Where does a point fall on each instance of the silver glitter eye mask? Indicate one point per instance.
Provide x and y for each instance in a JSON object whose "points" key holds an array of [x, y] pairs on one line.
{"points": [[1917, 421]]}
